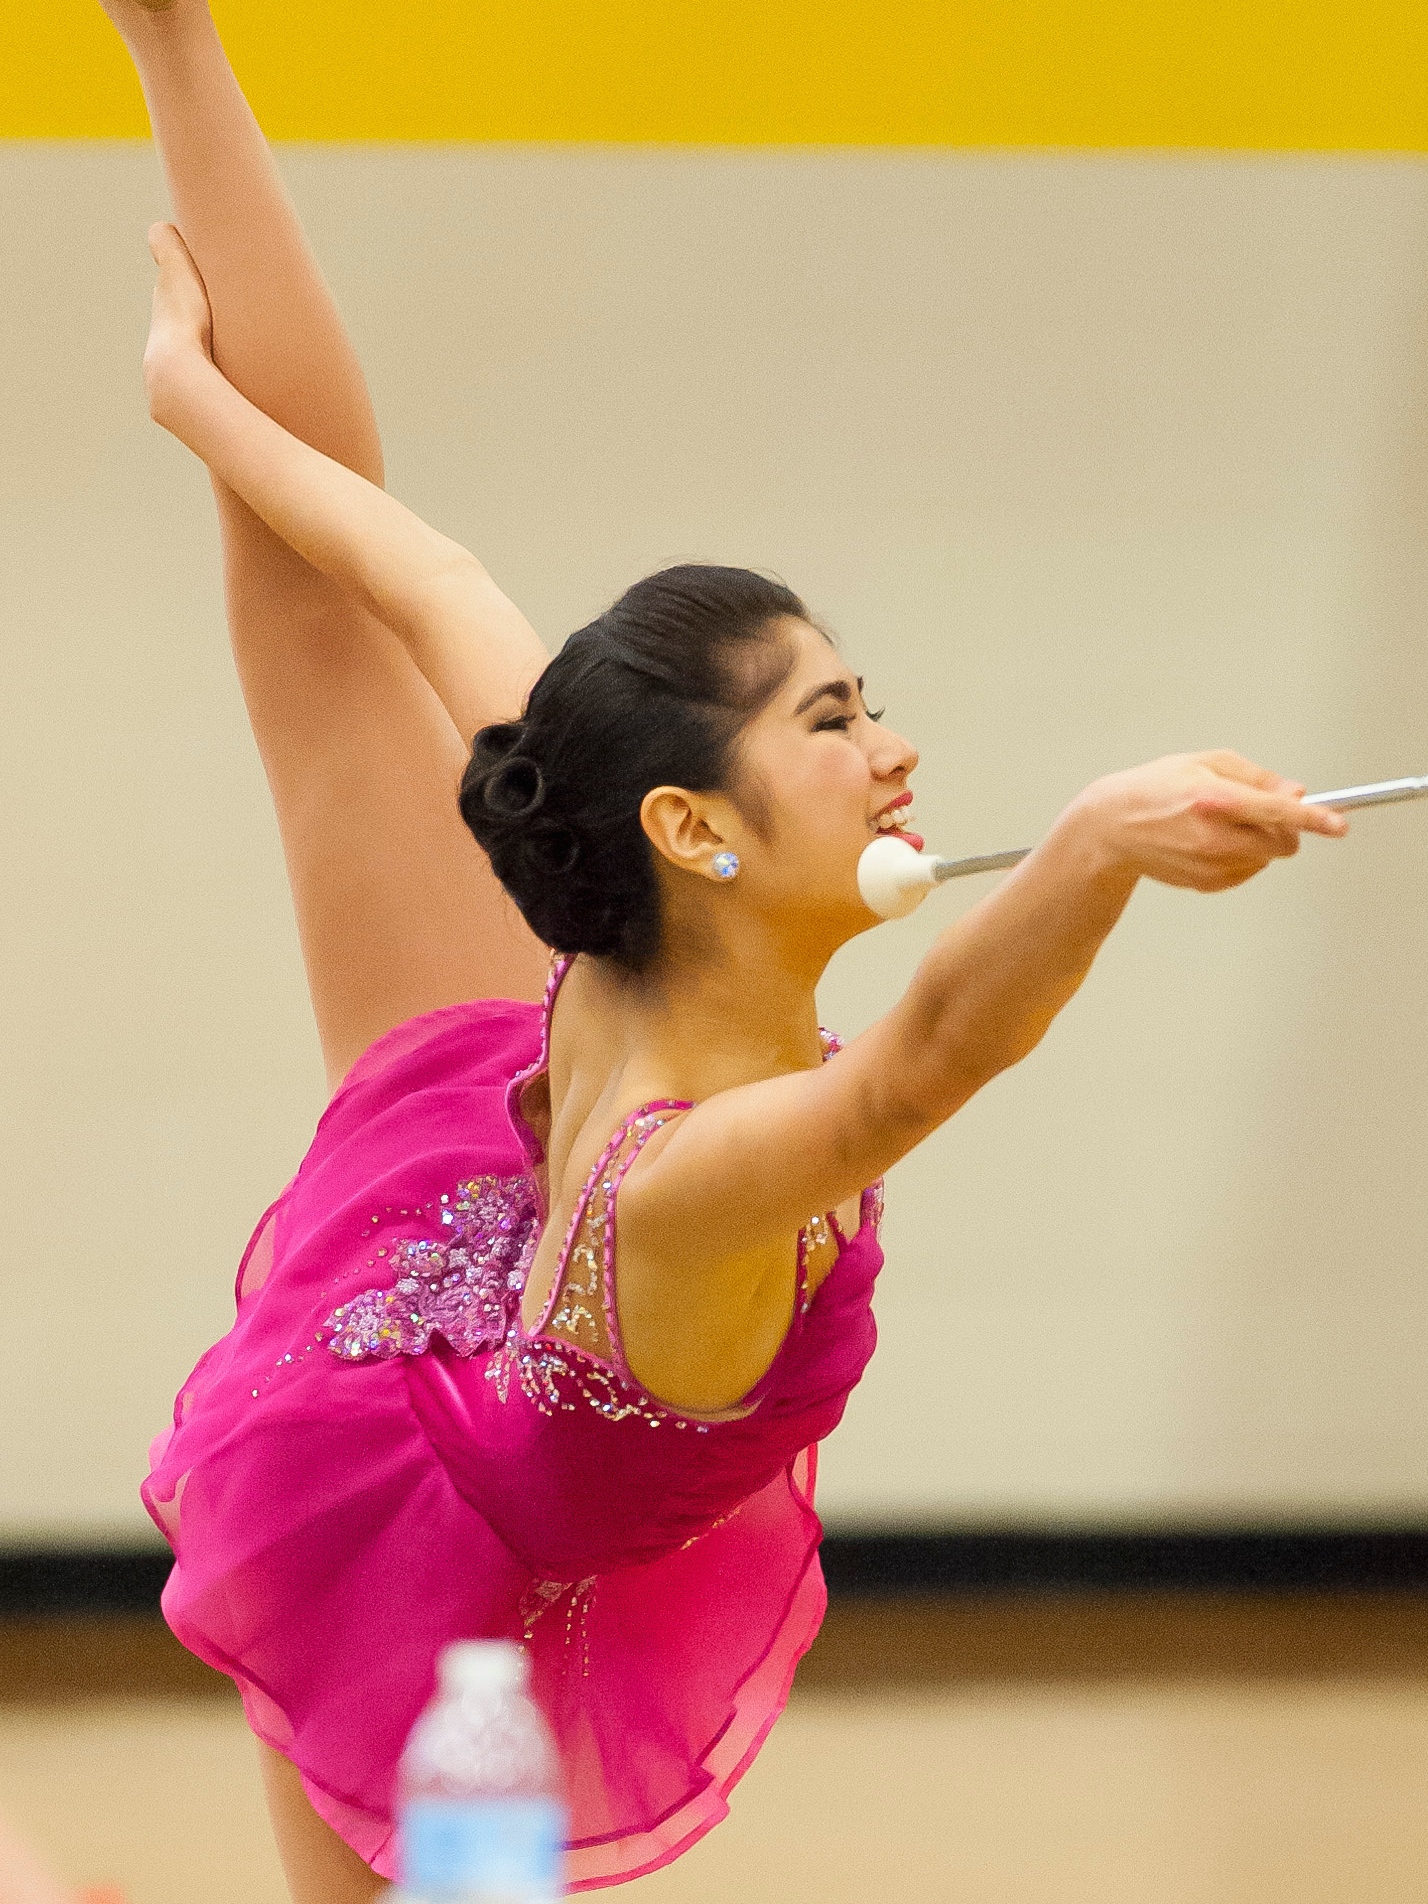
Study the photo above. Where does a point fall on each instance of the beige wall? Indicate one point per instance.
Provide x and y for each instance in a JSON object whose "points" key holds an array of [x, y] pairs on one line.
{"points": [[1087, 458]]}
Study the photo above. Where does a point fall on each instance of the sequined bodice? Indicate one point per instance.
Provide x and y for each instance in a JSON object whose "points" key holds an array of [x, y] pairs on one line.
{"points": [[465, 1283]]}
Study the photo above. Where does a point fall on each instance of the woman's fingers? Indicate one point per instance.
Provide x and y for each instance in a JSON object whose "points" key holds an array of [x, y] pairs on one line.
{"points": [[180, 295], [1209, 821], [173, 257], [1232, 766], [1250, 804], [180, 325], [1253, 822], [167, 241], [178, 275]]}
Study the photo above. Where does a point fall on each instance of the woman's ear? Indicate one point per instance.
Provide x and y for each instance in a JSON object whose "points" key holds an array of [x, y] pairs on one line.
{"points": [[682, 827]]}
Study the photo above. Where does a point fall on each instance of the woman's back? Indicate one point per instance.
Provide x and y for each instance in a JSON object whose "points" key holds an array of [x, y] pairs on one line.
{"points": [[701, 1343]]}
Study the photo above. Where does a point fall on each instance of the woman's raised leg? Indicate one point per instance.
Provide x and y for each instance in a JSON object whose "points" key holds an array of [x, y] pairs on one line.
{"points": [[277, 332], [397, 907]]}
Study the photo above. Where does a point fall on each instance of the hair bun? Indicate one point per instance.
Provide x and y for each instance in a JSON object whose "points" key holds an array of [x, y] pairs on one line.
{"points": [[555, 848], [515, 788], [500, 738]]}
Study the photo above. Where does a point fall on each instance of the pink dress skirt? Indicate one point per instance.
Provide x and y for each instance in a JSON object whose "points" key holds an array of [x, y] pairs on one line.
{"points": [[378, 1459]]}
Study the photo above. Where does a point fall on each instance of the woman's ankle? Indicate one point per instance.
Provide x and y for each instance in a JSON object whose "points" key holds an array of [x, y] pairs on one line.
{"points": [[155, 37]]}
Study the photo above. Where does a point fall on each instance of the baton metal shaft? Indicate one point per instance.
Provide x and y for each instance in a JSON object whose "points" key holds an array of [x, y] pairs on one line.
{"points": [[1377, 793], [982, 863]]}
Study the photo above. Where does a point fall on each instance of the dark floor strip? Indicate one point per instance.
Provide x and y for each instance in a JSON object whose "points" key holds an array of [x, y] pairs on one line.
{"points": [[114, 1580], [1250, 1560], [907, 1646]]}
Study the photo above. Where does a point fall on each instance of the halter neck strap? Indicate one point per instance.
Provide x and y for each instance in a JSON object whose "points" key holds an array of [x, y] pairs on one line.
{"points": [[531, 1146], [560, 964]]}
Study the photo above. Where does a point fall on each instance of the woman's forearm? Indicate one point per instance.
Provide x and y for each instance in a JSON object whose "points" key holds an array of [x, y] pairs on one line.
{"points": [[986, 993], [346, 527], [989, 989]]}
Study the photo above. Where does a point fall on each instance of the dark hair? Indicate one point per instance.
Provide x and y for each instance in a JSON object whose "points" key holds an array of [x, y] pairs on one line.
{"points": [[654, 692]]}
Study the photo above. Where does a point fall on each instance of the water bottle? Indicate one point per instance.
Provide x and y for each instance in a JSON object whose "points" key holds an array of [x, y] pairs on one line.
{"points": [[482, 1820]]}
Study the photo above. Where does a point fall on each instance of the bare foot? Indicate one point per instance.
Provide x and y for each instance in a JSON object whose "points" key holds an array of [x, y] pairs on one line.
{"points": [[130, 14]]}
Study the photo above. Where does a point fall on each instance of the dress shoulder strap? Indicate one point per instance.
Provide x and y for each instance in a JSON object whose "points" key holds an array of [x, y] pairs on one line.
{"points": [[581, 1308], [560, 964]]}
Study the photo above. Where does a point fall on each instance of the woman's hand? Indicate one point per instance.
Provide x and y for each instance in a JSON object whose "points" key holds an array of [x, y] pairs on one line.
{"points": [[1207, 821], [180, 327], [24, 1880]]}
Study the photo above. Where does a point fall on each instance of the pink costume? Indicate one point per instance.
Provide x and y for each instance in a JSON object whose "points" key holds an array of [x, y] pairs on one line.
{"points": [[377, 1459]]}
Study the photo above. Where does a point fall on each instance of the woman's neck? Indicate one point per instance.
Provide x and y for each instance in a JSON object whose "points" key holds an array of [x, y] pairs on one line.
{"points": [[708, 1017]]}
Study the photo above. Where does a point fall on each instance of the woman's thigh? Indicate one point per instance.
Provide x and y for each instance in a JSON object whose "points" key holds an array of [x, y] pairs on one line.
{"points": [[320, 1867]]}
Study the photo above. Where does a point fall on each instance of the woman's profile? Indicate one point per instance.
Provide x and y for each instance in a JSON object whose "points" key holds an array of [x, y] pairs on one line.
{"points": [[541, 1338]]}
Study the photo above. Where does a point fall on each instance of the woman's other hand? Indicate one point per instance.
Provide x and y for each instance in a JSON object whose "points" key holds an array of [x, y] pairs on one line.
{"points": [[180, 326], [24, 1880], [1208, 821]]}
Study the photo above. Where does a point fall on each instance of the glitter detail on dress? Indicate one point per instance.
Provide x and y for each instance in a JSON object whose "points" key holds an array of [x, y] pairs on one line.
{"points": [[573, 1353], [874, 1206], [553, 1382], [816, 1246], [542, 1595], [465, 1286], [576, 1315]]}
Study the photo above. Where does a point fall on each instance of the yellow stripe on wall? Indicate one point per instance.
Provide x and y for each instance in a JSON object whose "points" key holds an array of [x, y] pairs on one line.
{"points": [[1317, 75]]}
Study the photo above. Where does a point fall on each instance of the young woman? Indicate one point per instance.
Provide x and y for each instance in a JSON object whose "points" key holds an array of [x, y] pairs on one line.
{"points": [[450, 1406]]}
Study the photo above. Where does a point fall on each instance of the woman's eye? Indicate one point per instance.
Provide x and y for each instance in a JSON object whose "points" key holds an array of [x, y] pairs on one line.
{"points": [[836, 723]]}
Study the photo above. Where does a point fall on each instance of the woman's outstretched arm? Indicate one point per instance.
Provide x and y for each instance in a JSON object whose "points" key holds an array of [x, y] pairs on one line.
{"points": [[981, 1000]]}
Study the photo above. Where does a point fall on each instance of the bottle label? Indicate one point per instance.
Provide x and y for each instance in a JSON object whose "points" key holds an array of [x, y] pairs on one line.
{"points": [[491, 1850]]}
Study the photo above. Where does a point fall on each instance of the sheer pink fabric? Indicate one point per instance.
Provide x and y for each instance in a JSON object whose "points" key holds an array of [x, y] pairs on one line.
{"points": [[377, 1459]]}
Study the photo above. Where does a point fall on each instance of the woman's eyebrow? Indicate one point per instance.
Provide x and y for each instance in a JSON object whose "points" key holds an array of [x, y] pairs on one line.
{"points": [[839, 690]]}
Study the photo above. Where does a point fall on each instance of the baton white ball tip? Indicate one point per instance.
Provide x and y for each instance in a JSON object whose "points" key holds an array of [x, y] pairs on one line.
{"points": [[894, 878]]}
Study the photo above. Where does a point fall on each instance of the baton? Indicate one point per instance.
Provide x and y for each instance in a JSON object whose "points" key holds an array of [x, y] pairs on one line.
{"points": [[894, 878]]}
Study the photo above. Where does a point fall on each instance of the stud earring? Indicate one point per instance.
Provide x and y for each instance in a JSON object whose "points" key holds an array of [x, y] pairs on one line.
{"points": [[725, 865]]}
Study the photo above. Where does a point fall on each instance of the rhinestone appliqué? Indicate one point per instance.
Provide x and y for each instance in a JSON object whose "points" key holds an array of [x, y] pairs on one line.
{"points": [[465, 1285], [555, 1383]]}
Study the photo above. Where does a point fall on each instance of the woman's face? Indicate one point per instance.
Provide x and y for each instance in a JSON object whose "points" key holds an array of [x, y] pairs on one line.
{"points": [[819, 777]]}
